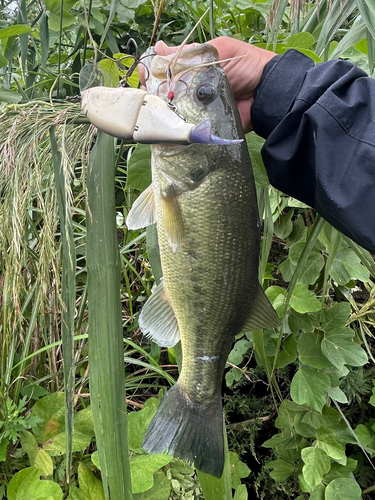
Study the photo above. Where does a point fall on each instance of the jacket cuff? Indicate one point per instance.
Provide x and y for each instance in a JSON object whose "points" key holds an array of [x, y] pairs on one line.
{"points": [[278, 88]]}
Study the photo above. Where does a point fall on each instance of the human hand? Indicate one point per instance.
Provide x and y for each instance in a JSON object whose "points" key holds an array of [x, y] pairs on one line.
{"points": [[244, 73]]}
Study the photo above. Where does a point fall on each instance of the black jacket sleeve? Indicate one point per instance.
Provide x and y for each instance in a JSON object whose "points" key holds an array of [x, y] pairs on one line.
{"points": [[319, 126]]}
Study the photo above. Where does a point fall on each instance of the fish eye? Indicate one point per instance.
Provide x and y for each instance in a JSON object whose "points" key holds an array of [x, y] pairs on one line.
{"points": [[205, 93]]}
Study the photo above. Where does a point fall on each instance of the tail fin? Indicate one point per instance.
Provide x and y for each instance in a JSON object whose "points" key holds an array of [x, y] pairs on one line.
{"points": [[187, 430]]}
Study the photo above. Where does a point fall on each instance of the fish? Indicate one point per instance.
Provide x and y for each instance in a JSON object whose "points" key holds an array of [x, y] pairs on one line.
{"points": [[203, 201]]}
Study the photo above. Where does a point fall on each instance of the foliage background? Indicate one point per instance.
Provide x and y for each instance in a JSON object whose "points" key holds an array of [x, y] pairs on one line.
{"points": [[299, 403]]}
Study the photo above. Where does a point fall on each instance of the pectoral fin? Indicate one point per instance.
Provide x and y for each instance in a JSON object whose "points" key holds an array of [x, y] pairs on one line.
{"points": [[262, 315], [157, 319], [143, 211], [172, 217]]}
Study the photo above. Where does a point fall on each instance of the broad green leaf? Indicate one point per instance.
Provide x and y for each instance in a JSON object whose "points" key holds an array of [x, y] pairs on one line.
{"points": [[159, 491], [4, 62], [311, 270], [327, 442], [329, 417], [317, 464], [285, 440], [8, 96], [310, 387], [338, 470], [29, 445], [51, 431], [142, 468], [318, 492], [287, 353], [240, 348], [338, 395], [139, 168], [300, 41], [299, 230], [138, 422], [54, 14], [339, 348], [347, 266], [310, 352], [287, 269], [3, 449], [284, 225], [363, 434], [336, 316], [111, 72], [90, 488], [241, 493], [44, 463], [303, 301], [238, 469], [26, 485], [16, 29], [232, 375], [303, 429], [281, 469], [287, 412], [343, 488], [300, 322]]}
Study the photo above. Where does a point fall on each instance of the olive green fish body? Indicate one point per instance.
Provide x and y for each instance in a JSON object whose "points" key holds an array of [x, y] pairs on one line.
{"points": [[204, 202]]}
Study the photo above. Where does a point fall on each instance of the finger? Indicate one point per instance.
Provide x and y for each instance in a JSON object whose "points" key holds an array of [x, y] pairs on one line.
{"points": [[244, 109], [162, 49]]}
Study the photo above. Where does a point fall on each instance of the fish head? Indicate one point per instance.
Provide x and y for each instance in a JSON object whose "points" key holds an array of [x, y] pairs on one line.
{"points": [[196, 86]]}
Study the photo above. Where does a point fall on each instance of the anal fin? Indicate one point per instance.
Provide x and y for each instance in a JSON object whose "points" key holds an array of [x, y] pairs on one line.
{"points": [[143, 212], [157, 319], [262, 315]]}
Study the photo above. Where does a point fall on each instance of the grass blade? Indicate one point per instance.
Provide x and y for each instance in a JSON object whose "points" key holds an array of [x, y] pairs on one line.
{"points": [[68, 288], [106, 349]]}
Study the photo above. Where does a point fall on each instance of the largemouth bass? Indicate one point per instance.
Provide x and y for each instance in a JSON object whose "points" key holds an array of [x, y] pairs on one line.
{"points": [[203, 199]]}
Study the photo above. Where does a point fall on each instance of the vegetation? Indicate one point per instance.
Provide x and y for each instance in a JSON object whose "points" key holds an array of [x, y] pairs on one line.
{"points": [[299, 403]]}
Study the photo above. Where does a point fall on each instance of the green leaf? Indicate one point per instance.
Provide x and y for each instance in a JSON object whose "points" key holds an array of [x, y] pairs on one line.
{"points": [[89, 486], [240, 348], [303, 300], [317, 464], [287, 353], [338, 470], [16, 29], [318, 492], [139, 168], [160, 490], [111, 72], [310, 387], [138, 422], [347, 266], [281, 469], [310, 352], [339, 348], [51, 431], [8, 96], [241, 493], [26, 485], [287, 412], [54, 14], [3, 449], [303, 429], [142, 468], [44, 463], [238, 469], [338, 395], [327, 442], [363, 434], [284, 225], [299, 322], [312, 268], [300, 41], [255, 144], [343, 488], [336, 316], [29, 445]]}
